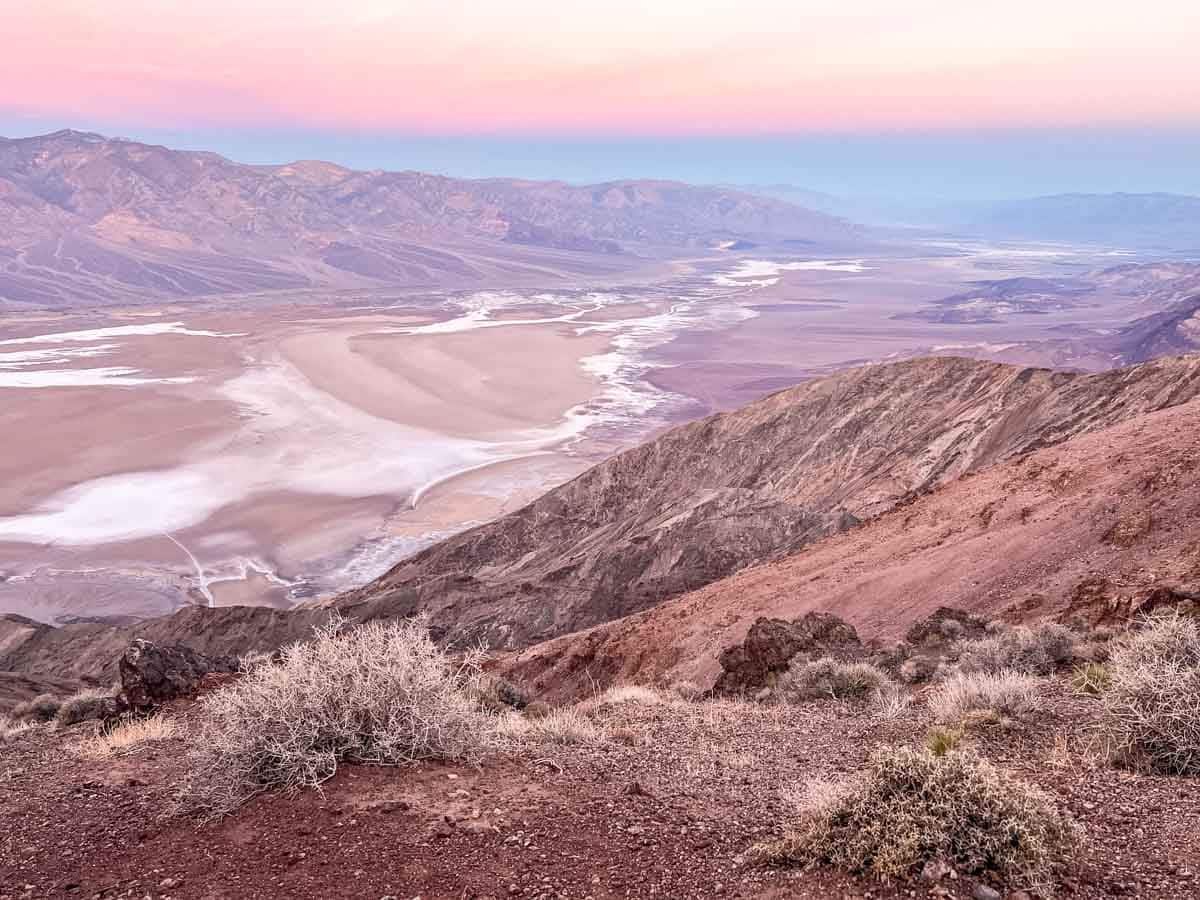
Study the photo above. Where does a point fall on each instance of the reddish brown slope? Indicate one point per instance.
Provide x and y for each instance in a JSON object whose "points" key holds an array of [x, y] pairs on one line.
{"points": [[1096, 523]]}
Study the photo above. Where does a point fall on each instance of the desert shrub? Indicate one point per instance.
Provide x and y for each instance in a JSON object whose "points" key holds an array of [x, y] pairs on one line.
{"points": [[42, 708], [498, 694], [1008, 694], [1091, 678], [890, 701], [564, 725], [824, 679], [10, 728], [941, 741], [910, 807], [127, 736], [1039, 650], [86, 705], [1152, 703], [621, 695], [380, 693]]}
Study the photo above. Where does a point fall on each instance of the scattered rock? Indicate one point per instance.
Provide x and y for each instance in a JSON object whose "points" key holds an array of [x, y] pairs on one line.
{"points": [[152, 674], [771, 644], [983, 892]]}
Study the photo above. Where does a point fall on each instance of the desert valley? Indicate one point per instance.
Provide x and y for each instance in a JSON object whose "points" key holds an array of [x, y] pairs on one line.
{"points": [[387, 534]]}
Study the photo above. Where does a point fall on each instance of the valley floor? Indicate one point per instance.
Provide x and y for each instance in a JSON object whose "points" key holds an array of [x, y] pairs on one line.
{"points": [[665, 805]]}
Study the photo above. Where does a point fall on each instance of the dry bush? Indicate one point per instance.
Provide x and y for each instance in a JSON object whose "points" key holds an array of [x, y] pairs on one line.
{"points": [[10, 728], [127, 736], [565, 725], [42, 708], [1152, 702], [910, 807], [826, 679], [890, 701], [941, 741], [85, 706], [380, 693], [1091, 678], [1037, 650], [1008, 694], [621, 695]]}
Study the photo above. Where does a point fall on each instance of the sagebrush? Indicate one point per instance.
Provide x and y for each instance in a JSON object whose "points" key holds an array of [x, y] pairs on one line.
{"points": [[910, 807], [1152, 697], [1037, 650], [380, 693], [42, 708], [830, 679], [86, 705], [1010, 694]]}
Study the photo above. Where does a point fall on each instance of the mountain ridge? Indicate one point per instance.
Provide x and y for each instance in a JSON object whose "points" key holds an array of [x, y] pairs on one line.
{"points": [[92, 219]]}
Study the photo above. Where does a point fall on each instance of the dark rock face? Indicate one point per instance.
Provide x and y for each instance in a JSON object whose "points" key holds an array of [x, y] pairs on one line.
{"points": [[771, 645], [152, 674]]}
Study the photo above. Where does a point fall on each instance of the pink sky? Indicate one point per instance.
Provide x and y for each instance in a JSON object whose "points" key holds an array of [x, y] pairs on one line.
{"points": [[617, 67]]}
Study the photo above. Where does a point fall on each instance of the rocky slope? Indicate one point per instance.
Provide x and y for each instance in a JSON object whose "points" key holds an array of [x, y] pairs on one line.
{"points": [[85, 219], [706, 499], [688, 509], [1096, 528]]}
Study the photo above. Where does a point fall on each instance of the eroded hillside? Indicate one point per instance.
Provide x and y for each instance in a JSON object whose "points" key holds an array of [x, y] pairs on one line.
{"points": [[709, 498]]}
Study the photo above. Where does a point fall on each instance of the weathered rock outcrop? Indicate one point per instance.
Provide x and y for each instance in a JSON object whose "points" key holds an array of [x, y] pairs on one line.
{"points": [[772, 644], [152, 674]]}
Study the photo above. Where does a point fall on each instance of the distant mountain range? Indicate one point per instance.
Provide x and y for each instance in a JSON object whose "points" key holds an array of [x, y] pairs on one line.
{"points": [[89, 219], [1166, 222], [1149, 221]]}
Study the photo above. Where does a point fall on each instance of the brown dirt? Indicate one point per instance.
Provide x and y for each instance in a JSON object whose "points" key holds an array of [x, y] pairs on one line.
{"points": [[666, 807]]}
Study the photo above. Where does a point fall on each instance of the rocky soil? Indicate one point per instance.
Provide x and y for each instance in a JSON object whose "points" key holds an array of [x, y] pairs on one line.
{"points": [[665, 806]]}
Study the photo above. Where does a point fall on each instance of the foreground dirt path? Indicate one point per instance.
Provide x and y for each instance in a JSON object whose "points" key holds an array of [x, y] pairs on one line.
{"points": [[664, 808]]}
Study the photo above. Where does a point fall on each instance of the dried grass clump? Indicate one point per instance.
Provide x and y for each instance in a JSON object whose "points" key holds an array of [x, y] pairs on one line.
{"points": [[910, 807], [1007, 694], [10, 728], [941, 741], [830, 679], [126, 737], [1037, 650], [380, 693], [42, 708], [564, 725], [1091, 678], [85, 706], [890, 701], [1152, 702]]}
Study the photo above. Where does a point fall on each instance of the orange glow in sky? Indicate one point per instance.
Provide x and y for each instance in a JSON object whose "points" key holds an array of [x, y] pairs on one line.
{"points": [[615, 67]]}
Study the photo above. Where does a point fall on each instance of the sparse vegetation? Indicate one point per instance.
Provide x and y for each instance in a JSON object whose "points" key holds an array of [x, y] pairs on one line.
{"points": [[379, 693], [1007, 694], [911, 806], [127, 736], [1091, 678], [42, 708], [85, 706], [825, 679], [9, 728], [688, 691], [890, 701], [565, 725], [941, 740], [1036, 650], [1152, 700]]}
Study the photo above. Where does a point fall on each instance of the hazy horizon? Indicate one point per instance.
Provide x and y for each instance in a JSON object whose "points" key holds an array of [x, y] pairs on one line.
{"points": [[939, 168], [925, 103]]}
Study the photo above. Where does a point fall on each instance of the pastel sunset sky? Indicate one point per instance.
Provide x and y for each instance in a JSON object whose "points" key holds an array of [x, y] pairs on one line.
{"points": [[756, 90]]}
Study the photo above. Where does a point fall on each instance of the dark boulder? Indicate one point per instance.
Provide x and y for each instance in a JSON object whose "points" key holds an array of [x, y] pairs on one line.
{"points": [[771, 645], [152, 674]]}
